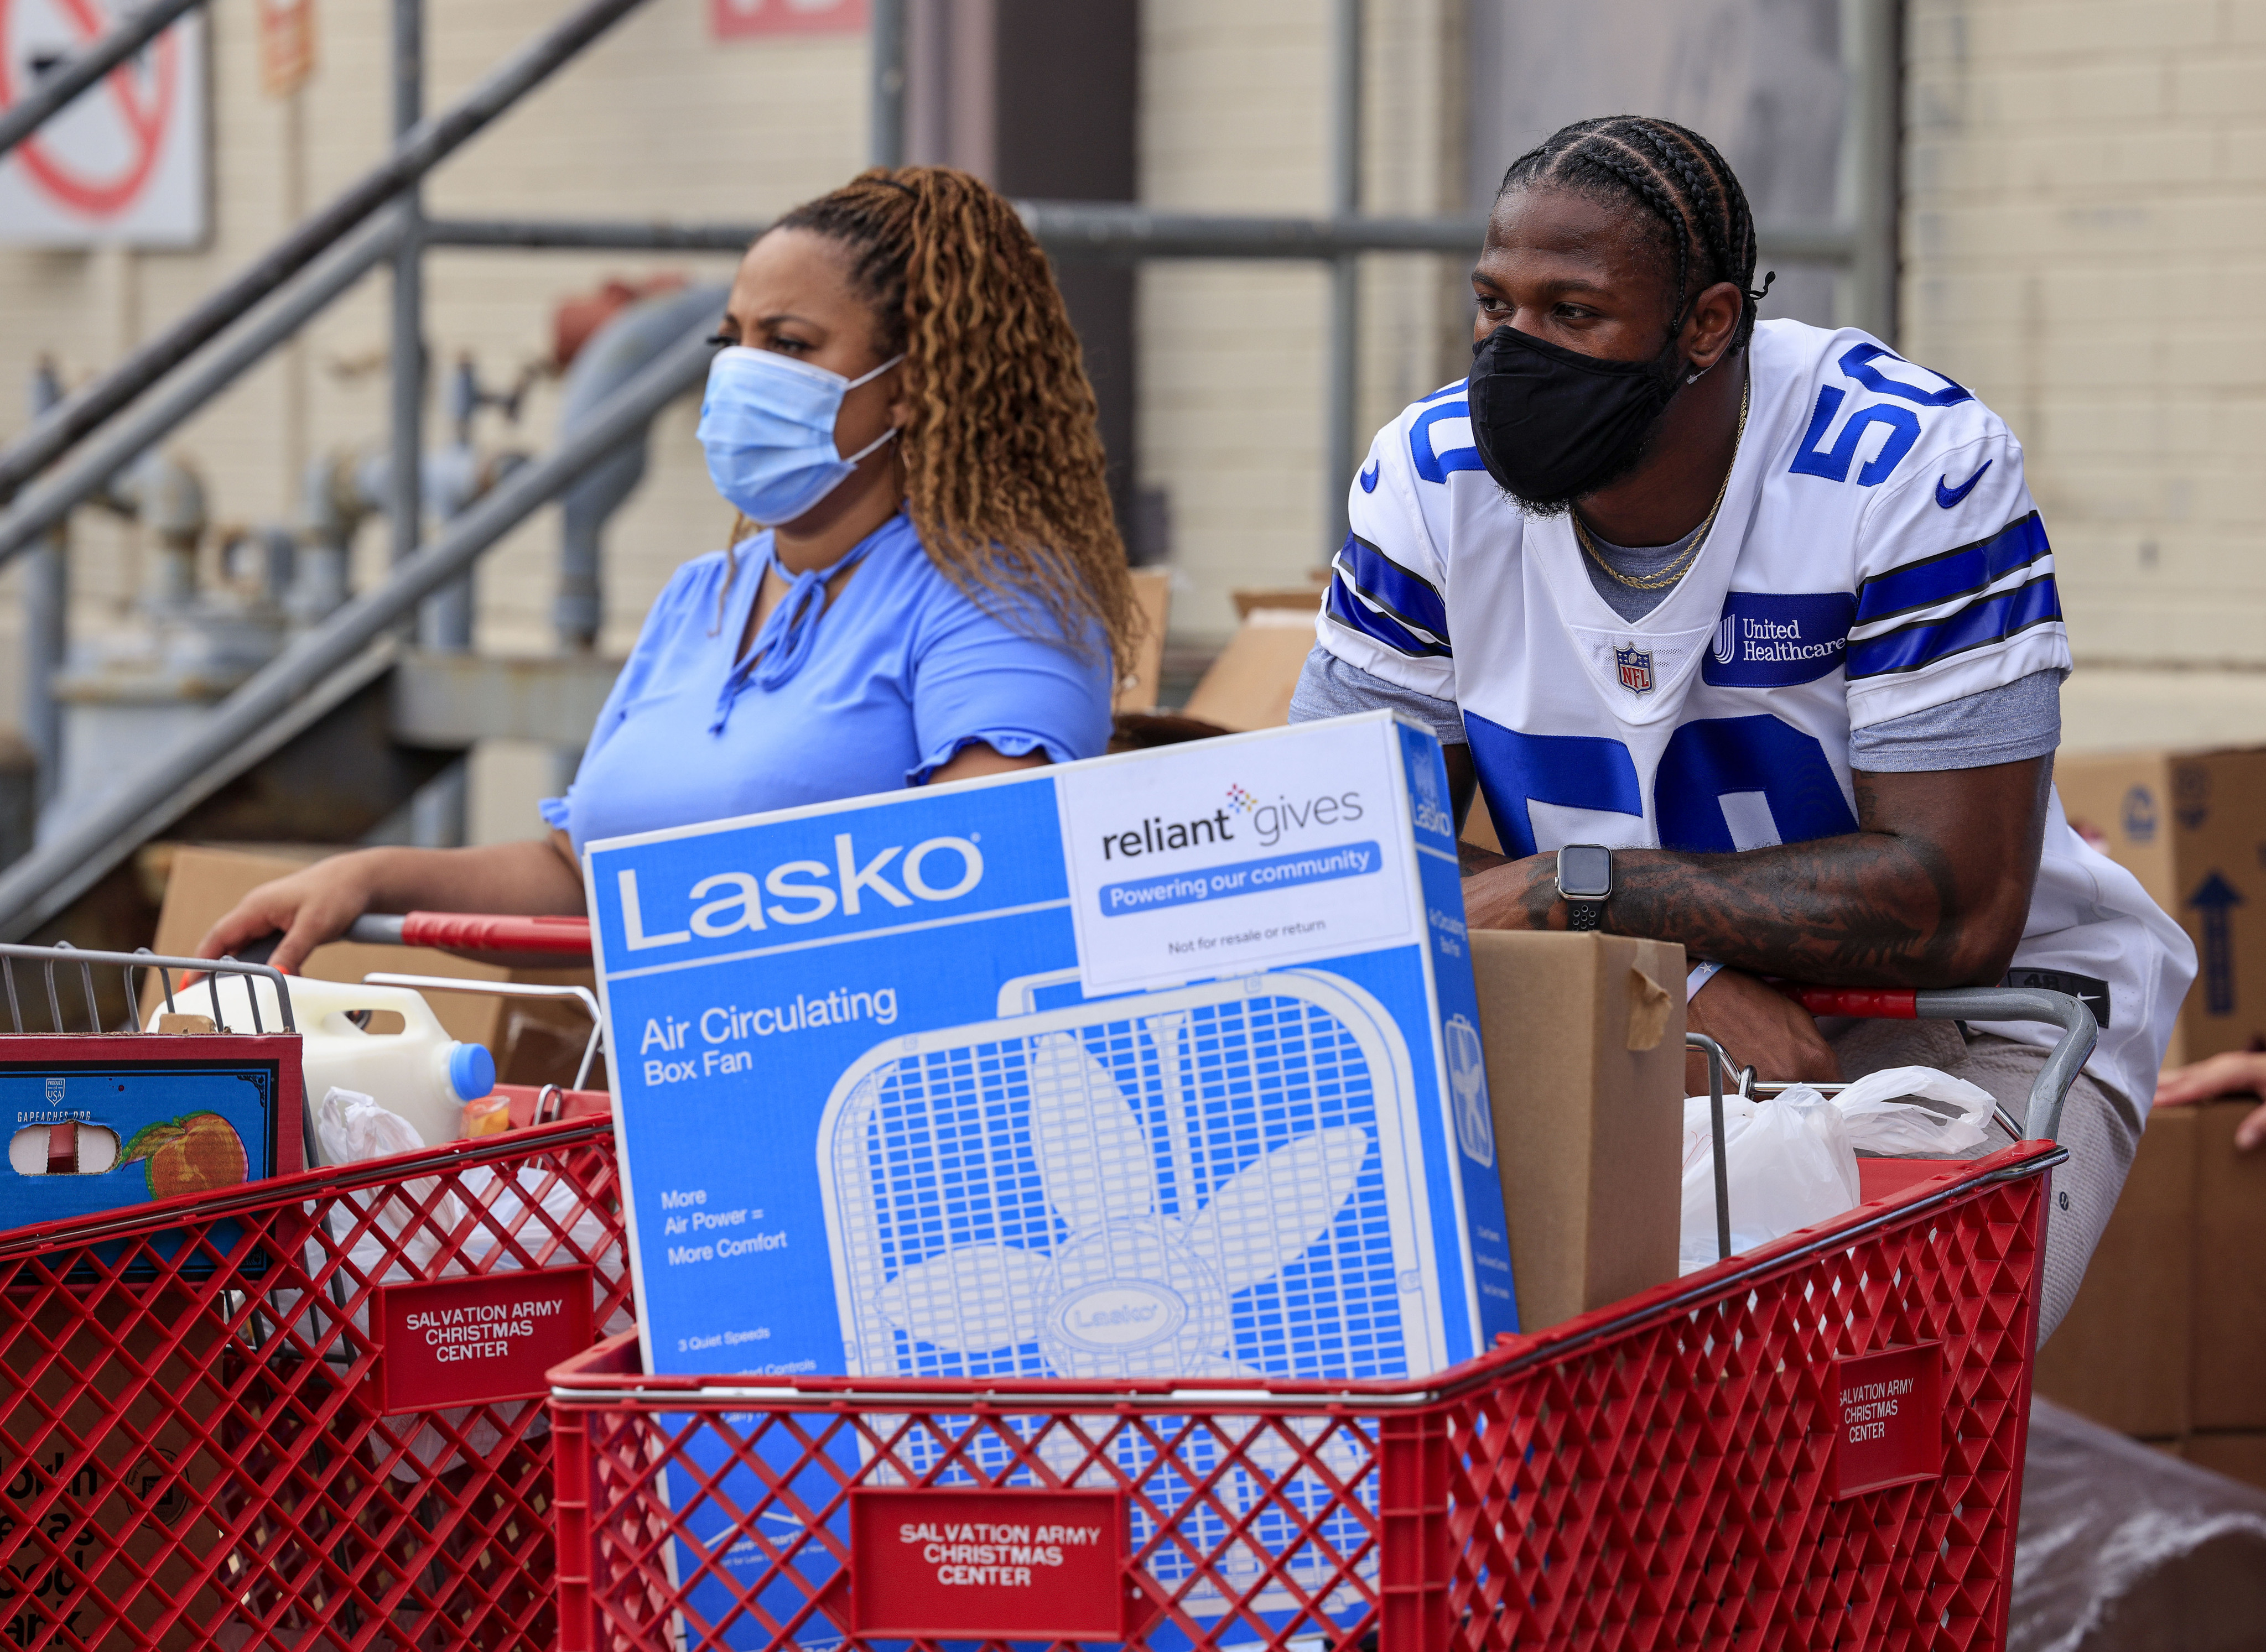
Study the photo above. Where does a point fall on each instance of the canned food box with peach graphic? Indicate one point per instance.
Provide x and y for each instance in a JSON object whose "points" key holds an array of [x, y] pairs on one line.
{"points": [[97, 1122]]}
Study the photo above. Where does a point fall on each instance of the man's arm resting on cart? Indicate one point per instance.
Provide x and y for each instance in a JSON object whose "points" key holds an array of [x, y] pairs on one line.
{"points": [[1931, 891]]}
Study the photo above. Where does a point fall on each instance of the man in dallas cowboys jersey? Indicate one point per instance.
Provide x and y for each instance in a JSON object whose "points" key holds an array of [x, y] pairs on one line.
{"points": [[1766, 611]]}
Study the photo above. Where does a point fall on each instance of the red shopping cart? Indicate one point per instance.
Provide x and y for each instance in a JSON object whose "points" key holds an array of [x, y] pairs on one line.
{"points": [[301, 1413], [1816, 1444]]}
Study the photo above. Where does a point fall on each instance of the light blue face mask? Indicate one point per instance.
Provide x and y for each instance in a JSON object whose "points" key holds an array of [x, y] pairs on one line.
{"points": [[767, 424]]}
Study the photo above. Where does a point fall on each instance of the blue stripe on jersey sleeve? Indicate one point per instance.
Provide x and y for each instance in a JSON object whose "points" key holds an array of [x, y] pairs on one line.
{"points": [[1351, 612], [1407, 597], [1979, 626], [1953, 573]]}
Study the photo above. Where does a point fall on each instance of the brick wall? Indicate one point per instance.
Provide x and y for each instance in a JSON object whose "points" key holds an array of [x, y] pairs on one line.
{"points": [[2084, 232]]}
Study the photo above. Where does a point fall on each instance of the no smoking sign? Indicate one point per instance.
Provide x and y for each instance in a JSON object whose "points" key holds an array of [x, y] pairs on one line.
{"points": [[126, 162]]}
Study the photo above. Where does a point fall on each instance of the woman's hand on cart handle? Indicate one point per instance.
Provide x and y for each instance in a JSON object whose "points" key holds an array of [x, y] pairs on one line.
{"points": [[307, 909]]}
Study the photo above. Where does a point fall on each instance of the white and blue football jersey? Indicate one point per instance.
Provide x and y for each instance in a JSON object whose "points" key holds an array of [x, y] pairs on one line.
{"points": [[1877, 554]]}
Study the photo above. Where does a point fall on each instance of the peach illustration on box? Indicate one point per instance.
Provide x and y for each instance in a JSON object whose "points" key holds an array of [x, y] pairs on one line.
{"points": [[197, 1153]]}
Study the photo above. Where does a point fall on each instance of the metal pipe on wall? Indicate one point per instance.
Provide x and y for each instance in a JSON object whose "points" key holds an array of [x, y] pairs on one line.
{"points": [[438, 813], [886, 141], [1340, 441], [46, 624], [404, 504], [1102, 231], [1872, 59]]}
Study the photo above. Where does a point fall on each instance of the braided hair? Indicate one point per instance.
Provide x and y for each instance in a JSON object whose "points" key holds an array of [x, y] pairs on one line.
{"points": [[1679, 179], [1003, 457]]}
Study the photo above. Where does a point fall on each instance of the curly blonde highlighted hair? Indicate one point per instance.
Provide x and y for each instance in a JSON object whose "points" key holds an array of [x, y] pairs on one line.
{"points": [[1003, 459]]}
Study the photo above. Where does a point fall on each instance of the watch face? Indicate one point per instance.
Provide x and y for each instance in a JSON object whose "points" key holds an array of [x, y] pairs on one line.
{"points": [[1585, 871]]}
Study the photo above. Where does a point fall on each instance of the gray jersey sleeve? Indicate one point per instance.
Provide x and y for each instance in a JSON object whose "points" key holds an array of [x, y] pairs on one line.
{"points": [[2005, 724], [1330, 687]]}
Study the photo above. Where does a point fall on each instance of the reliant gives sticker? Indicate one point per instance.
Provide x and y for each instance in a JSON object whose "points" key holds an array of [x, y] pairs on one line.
{"points": [[1228, 861]]}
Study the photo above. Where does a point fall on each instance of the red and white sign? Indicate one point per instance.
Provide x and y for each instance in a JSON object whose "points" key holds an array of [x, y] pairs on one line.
{"points": [[125, 164], [1020, 1565], [1887, 1413], [478, 1340], [731, 19]]}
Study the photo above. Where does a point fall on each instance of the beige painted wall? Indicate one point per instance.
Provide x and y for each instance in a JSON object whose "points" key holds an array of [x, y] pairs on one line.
{"points": [[2085, 232]]}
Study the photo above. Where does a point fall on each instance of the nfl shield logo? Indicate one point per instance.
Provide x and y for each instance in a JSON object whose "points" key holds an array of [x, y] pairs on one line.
{"points": [[1635, 665]]}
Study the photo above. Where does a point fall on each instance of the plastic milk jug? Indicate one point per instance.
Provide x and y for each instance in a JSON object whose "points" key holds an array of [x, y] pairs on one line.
{"points": [[385, 1042]]}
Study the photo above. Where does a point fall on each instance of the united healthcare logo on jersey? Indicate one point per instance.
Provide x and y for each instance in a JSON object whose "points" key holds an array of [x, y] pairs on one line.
{"points": [[1769, 641]]}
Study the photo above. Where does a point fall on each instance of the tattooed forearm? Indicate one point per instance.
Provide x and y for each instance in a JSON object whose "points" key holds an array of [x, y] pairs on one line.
{"points": [[1932, 892]]}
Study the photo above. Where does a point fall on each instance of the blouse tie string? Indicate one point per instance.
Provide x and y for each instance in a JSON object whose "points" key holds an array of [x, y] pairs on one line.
{"points": [[783, 641]]}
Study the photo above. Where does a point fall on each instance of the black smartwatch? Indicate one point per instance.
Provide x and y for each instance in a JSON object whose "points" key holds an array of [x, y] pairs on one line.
{"points": [[1585, 882]]}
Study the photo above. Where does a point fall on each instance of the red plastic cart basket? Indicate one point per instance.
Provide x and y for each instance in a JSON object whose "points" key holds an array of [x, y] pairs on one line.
{"points": [[301, 1414], [1818, 1442]]}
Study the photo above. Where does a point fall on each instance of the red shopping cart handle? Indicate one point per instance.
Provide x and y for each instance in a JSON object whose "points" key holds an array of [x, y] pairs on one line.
{"points": [[1876, 1003], [477, 932]]}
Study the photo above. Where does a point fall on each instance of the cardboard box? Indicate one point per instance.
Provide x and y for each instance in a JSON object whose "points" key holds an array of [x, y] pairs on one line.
{"points": [[1584, 1036], [2191, 826], [2124, 1353], [204, 884], [74, 1378], [2167, 1335], [1250, 685], [2230, 1251], [971, 1129], [97, 1122], [2237, 1456]]}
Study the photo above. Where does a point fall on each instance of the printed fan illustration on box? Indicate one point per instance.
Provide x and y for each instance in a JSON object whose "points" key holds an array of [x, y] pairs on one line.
{"points": [[1207, 1181]]}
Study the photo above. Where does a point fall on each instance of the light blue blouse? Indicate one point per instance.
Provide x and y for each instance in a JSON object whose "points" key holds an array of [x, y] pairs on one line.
{"points": [[903, 670]]}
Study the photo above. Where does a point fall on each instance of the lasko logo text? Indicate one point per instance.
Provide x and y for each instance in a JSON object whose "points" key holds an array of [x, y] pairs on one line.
{"points": [[1266, 821], [802, 892], [1766, 640]]}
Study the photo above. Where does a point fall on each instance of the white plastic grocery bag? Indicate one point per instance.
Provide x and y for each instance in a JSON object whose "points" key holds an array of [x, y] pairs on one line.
{"points": [[354, 1127], [1792, 1158], [1880, 1122], [1788, 1161]]}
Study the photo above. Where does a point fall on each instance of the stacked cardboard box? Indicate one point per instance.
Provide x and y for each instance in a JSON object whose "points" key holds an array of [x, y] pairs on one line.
{"points": [[2167, 1340], [2191, 826]]}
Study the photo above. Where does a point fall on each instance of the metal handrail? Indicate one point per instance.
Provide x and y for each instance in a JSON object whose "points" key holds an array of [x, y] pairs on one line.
{"points": [[420, 150], [60, 88], [56, 873]]}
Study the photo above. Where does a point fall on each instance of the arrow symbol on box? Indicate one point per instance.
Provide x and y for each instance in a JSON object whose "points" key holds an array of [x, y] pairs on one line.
{"points": [[2217, 898]]}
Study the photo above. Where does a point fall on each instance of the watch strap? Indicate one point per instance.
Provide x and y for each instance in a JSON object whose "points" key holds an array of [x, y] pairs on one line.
{"points": [[1584, 914]]}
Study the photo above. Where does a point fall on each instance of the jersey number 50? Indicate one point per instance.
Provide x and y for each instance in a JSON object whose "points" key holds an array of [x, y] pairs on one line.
{"points": [[1705, 762]]}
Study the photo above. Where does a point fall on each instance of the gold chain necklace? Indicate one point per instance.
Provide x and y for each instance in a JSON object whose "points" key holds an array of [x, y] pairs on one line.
{"points": [[1661, 580]]}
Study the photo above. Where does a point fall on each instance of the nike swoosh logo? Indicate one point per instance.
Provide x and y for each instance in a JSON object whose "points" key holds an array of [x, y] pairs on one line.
{"points": [[1949, 497], [1369, 477]]}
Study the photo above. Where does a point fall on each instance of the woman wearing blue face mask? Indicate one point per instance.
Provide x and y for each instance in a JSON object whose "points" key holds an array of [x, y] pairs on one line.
{"points": [[936, 591]]}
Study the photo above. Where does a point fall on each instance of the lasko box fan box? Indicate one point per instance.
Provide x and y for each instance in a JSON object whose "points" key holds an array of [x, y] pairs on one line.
{"points": [[1162, 1064]]}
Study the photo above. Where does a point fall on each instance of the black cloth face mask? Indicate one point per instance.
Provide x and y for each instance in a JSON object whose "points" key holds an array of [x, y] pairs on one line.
{"points": [[1553, 425]]}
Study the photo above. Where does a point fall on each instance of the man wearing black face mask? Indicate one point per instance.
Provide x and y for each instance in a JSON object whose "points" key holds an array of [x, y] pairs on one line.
{"points": [[1750, 639]]}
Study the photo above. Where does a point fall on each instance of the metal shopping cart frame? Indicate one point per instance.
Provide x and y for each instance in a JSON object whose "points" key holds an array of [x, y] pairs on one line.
{"points": [[204, 1438], [1818, 1442]]}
